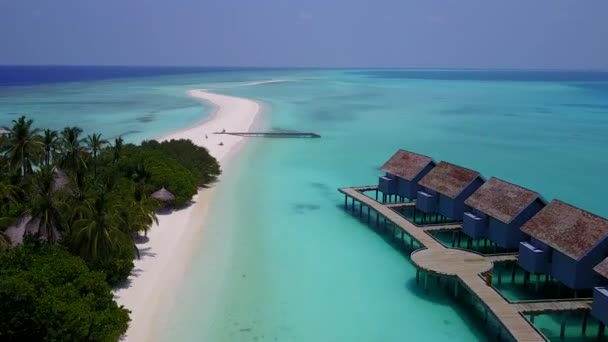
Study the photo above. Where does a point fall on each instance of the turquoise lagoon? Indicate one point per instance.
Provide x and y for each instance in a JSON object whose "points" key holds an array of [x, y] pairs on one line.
{"points": [[280, 260]]}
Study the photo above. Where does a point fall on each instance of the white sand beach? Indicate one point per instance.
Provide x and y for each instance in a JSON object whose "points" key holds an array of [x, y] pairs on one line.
{"points": [[151, 288]]}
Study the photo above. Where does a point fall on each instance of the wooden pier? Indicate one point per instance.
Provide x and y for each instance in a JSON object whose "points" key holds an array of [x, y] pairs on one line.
{"points": [[463, 266], [441, 227], [400, 205], [550, 306], [273, 134]]}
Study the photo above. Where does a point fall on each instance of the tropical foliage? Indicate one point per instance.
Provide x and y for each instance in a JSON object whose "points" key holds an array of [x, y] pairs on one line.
{"points": [[49, 295], [85, 202]]}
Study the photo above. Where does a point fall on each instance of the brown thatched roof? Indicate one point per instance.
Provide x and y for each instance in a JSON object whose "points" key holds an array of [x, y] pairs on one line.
{"points": [[163, 195], [568, 229], [406, 165], [501, 200], [448, 179], [60, 180], [25, 225], [602, 268]]}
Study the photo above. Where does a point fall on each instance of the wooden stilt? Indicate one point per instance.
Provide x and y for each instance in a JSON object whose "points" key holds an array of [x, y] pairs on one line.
{"points": [[411, 242], [417, 276], [562, 330], [376, 195], [426, 281], [345, 202], [377, 220], [352, 205], [455, 287], [499, 276], [600, 331], [453, 239], [585, 316], [536, 282], [459, 235], [532, 319], [513, 272], [485, 245], [368, 214], [360, 209]]}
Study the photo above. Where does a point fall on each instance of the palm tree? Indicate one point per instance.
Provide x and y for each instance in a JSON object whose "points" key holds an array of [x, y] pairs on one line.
{"points": [[8, 195], [72, 157], [47, 205], [5, 241], [117, 148], [21, 145], [96, 232], [95, 144], [50, 142]]}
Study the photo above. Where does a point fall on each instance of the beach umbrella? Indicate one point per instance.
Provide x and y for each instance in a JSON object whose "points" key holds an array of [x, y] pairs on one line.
{"points": [[163, 195]]}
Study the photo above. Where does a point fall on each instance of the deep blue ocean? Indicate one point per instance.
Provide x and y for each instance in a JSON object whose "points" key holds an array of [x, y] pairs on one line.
{"points": [[280, 260]]}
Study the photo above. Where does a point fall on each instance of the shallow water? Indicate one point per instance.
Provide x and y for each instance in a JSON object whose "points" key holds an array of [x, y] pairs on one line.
{"points": [[280, 259]]}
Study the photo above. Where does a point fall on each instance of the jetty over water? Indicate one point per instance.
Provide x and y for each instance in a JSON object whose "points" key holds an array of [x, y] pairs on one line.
{"points": [[460, 267], [272, 134]]}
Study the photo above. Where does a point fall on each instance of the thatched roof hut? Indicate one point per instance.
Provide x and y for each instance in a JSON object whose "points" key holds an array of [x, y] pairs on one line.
{"points": [[602, 268], [449, 179], [24, 226], [568, 229], [406, 164], [163, 195], [502, 200]]}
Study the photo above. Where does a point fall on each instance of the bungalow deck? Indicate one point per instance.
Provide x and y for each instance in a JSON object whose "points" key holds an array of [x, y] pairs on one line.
{"points": [[463, 266]]}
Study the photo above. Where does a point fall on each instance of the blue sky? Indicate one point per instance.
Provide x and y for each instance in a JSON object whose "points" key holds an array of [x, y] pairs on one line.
{"points": [[570, 34]]}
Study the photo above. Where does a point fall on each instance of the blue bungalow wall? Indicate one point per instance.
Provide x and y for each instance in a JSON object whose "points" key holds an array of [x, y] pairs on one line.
{"points": [[409, 189], [387, 184], [441, 204], [510, 235], [574, 274], [599, 308]]}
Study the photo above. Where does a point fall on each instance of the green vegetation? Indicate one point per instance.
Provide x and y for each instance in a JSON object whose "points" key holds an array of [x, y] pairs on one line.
{"points": [[47, 294], [86, 201]]}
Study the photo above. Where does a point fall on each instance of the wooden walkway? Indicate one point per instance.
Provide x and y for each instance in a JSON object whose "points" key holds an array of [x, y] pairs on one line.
{"points": [[540, 307], [496, 258], [442, 228], [464, 265], [273, 134], [400, 205]]}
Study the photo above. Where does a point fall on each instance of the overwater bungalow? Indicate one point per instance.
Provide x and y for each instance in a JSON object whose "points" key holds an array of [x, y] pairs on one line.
{"points": [[498, 209], [444, 189], [402, 173], [566, 242], [599, 308]]}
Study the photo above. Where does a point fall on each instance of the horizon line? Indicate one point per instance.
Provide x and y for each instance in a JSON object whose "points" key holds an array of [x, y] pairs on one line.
{"points": [[581, 69]]}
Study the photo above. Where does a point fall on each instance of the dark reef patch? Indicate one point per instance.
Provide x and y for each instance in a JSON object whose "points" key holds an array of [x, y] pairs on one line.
{"points": [[303, 208]]}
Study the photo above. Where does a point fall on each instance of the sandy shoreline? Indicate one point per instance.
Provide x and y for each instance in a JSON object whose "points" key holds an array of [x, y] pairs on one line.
{"points": [[149, 293]]}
